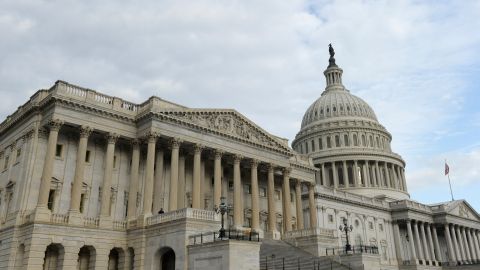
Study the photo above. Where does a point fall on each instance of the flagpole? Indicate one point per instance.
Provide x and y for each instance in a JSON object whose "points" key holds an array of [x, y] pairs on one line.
{"points": [[451, 193]]}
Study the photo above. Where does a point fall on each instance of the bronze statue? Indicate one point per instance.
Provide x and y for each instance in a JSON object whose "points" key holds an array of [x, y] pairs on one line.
{"points": [[332, 53]]}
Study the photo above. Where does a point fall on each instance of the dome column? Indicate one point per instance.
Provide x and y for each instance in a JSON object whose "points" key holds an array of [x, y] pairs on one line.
{"points": [[387, 175], [335, 175], [366, 174], [324, 179], [345, 175], [378, 178], [355, 174]]}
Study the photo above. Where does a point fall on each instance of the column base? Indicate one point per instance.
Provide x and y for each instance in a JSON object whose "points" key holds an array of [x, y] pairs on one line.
{"points": [[105, 222], [275, 235], [42, 214], [75, 217]]}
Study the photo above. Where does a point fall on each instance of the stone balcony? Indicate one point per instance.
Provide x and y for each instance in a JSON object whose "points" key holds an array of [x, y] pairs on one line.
{"points": [[310, 232], [185, 213]]}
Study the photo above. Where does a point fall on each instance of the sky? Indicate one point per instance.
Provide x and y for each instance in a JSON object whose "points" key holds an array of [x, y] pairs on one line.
{"points": [[417, 64]]}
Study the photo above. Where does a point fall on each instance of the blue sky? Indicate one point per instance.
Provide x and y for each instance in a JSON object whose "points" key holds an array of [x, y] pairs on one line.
{"points": [[415, 62]]}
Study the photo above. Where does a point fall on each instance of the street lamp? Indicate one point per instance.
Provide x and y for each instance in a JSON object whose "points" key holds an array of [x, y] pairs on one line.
{"points": [[223, 209], [345, 228]]}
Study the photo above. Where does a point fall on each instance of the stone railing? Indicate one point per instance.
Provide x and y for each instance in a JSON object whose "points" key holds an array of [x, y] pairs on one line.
{"points": [[91, 222], [59, 218], [410, 204], [183, 213], [309, 232], [353, 197], [119, 225]]}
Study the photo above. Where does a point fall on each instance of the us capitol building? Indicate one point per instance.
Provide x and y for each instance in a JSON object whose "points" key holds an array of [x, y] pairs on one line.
{"points": [[90, 181]]}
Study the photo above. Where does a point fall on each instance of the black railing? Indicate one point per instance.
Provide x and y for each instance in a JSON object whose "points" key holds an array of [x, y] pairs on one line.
{"points": [[360, 249], [276, 263], [209, 237]]}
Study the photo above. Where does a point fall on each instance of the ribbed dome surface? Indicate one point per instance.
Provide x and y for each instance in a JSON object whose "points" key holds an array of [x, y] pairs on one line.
{"points": [[337, 103]]}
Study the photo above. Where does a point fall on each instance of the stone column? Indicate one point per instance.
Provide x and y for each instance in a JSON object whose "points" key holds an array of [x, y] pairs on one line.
{"points": [[133, 188], [107, 178], [272, 226], [437, 252], [355, 174], [48, 166], [217, 178], [450, 246], [473, 255], [458, 255], [465, 245], [395, 178], [149, 174], [287, 218], [424, 241], [477, 246], [430, 243], [159, 183], [404, 181], [412, 240], [181, 183], [418, 242], [346, 182], [172, 204], [298, 204], [237, 193], [254, 184], [398, 177], [460, 243], [197, 159], [366, 173], [335, 175], [312, 206], [378, 177], [79, 175], [397, 241], [324, 179], [387, 174]]}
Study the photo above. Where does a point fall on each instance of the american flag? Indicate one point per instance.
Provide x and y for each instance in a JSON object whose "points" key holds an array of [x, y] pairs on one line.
{"points": [[447, 169]]}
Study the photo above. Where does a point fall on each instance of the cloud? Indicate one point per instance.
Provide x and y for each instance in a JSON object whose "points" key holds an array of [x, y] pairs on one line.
{"points": [[409, 60]]}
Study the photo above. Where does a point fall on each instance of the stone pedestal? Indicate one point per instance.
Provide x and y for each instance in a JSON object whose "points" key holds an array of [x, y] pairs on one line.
{"points": [[42, 214], [75, 217], [142, 220], [105, 222], [275, 235]]}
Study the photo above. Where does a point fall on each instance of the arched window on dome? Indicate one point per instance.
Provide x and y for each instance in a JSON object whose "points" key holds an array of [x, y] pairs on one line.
{"points": [[329, 142], [345, 140], [315, 114], [337, 141], [348, 108], [341, 108], [306, 147], [313, 145], [320, 143], [328, 110], [371, 140], [355, 142], [301, 148], [378, 142], [321, 111], [334, 109], [364, 143]]}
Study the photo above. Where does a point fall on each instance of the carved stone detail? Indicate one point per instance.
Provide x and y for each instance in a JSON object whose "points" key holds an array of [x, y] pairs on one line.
{"points": [[55, 124], [85, 131], [112, 138]]}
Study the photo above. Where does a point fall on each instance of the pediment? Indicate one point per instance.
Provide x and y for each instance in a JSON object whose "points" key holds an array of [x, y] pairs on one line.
{"points": [[462, 209], [229, 123]]}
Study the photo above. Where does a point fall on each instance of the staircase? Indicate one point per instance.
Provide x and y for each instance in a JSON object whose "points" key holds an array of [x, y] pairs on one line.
{"points": [[279, 255]]}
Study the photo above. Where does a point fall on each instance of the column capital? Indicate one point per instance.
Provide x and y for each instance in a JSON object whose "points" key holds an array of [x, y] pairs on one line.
{"points": [[135, 142], [298, 181], [55, 124], [254, 163], [151, 137], [197, 148], [286, 170], [85, 131], [237, 158], [270, 167], [218, 153], [112, 138], [175, 142]]}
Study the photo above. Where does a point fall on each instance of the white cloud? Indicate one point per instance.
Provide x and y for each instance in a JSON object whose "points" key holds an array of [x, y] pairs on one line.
{"points": [[408, 59]]}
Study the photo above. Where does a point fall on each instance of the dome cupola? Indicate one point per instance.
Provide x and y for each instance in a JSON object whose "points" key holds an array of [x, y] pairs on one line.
{"points": [[342, 135]]}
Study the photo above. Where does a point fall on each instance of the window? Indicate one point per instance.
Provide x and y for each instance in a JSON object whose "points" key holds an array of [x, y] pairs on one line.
{"points": [[247, 189], [378, 142], [345, 140], [59, 150], [306, 147], [330, 218], [370, 225], [337, 141], [371, 141], [277, 195], [263, 192], [87, 156], [292, 197], [248, 222], [355, 142], [230, 185], [51, 198], [329, 143], [380, 227], [19, 152], [357, 223], [364, 143], [313, 145], [82, 202], [5, 164], [320, 144]]}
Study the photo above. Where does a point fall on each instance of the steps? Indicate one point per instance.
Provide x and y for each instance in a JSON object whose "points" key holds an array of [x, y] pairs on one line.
{"points": [[288, 257]]}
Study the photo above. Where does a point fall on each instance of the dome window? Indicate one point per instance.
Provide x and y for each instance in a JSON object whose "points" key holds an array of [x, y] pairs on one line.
{"points": [[371, 141], [313, 146], [348, 108], [345, 140], [337, 141], [334, 108], [320, 143], [328, 110], [329, 142], [355, 142], [341, 108], [364, 143], [321, 111]]}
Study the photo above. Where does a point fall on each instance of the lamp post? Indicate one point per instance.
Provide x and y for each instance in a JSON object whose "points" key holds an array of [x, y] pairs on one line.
{"points": [[223, 209], [345, 228]]}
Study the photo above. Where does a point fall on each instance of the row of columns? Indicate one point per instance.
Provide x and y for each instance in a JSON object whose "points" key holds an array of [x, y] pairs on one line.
{"points": [[365, 173], [462, 243], [151, 140]]}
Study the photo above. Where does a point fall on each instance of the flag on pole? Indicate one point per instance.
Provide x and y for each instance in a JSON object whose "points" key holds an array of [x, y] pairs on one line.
{"points": [[447, 169]]}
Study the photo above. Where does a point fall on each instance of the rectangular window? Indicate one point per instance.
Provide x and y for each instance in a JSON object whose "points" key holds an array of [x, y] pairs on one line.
{"points": [[306, 147], [337, 141], [329, 142], [313, 145], [230, 185], [320, 144], [330, 218], [263, 192], [82, 202], [59, 150], [5, 164], [277, 195], [380, 227], [345, 140], [370, 225], [87, 156], [51, 198], [248, 222]]}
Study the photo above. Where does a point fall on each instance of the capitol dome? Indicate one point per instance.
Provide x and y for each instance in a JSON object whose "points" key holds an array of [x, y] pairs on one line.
{"points": [[346, 142]]}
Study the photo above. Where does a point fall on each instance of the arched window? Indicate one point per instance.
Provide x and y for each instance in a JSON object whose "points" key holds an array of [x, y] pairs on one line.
{"points": [[337, 141], [313, 145], [306, 147], [371, 141], [355, 142], [378, 142], [345, 140], [329, 143], [320, 143], [364, 143]]}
